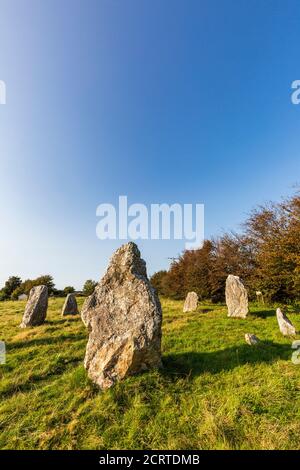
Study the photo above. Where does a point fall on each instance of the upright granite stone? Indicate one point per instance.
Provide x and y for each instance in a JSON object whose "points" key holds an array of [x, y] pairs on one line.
{"points": [[191, 302], [36, 307], [285, 325], [236, 297], [70, 306], [260, 298], [251, 339], [123, 317]]}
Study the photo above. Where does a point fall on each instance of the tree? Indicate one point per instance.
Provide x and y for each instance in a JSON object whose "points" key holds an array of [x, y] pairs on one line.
{"points": [[16, 293], [157, 281], [266, 255], [69, 290], [45, 280], [26, 286], [89, 287], [12, 283], [274, 233]]}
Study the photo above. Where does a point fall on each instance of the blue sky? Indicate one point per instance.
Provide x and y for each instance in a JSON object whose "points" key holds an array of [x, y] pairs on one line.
{"points": [[162, 101]]}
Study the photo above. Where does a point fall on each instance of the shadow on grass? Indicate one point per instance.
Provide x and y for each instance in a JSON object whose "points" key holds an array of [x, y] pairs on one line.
{"points": [[46, 340], [205, 310], [57, 369], [196, 363], [264, 313], [60, 321]]}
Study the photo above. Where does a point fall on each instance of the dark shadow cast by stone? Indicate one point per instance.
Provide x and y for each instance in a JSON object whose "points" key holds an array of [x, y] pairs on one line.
{"points": [[46, 340], [196, 363]]}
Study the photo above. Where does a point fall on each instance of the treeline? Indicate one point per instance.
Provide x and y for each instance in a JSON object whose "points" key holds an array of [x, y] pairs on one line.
{"points": [[14, 287], [266, 255]]}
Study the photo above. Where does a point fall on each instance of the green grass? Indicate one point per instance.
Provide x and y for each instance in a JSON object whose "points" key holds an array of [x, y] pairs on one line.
{"points": [[215, 391]]}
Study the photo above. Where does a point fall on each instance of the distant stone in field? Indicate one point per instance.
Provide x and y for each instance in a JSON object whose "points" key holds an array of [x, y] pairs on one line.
{"points": [[285, 325], [191, 302], [2, 352], [259, 297], [36, 307], [251, 339], [70, 306], [236, 297], [23, 297], [123, 317]]}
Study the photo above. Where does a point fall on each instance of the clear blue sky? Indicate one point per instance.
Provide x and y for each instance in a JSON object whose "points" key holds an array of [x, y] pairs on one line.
{"points": [[161, 100]]}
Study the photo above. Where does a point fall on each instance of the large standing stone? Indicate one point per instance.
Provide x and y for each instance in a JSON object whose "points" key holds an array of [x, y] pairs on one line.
{"points": [[36, 307], [236, 297], [123, 317], [285, 325], [191, 302], [70, 306]]}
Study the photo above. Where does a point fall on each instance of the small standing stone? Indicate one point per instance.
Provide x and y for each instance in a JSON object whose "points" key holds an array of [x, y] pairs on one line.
{"points": [[236, 297], [191, 302], [251, 339], [260, 297], [285, 325], [70, 306], [36, 307]]}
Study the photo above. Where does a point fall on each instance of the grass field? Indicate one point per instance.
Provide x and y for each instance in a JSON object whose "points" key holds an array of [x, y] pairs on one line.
{"points": [[215, 391]]}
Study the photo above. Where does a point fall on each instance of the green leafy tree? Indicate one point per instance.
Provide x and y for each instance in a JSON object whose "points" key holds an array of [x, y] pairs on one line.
{"points": [[89, 287], [265, 255], [26, 286], [45, 280], [12, 283], [69, 290], [157, 281]]}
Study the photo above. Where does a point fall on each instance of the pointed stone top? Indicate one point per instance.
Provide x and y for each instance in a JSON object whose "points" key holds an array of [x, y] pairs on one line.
{"points": [[231, 277], [126, 259], [70, 305], [285, 325]]}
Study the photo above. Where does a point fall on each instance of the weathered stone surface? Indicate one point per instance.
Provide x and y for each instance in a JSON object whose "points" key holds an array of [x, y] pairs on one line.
{"points": [[236, 297], [70, 306], [296, 344], [36, 307], [191, 302], [285, 325], [2, 352], [123, 317], [251, 339]]}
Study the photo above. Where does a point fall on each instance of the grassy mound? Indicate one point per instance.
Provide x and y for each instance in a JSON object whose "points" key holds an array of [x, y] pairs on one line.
{"points": [[215, 391]]}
